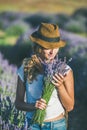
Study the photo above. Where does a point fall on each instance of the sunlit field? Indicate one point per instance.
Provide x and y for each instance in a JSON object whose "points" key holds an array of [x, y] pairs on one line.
{"points": [[18, 19], [47, 6]]}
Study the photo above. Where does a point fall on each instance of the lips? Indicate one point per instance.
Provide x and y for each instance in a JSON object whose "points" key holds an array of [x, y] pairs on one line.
{"points": [[50, 55]]}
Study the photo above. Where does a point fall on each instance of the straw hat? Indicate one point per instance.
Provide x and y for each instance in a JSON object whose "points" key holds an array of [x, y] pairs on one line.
{"points": [[47, 36]]}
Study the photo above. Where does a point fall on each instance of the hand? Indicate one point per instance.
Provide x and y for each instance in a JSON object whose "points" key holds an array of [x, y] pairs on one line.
{"points": [[41, 104], [58, 80]]}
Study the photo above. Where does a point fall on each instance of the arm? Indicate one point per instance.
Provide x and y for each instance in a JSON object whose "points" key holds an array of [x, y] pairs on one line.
{"points": [[65, 86], [19, 102]]}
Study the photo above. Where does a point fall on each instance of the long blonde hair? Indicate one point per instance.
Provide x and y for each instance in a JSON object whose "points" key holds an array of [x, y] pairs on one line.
{"points": [[33, 66], [37, 49]]}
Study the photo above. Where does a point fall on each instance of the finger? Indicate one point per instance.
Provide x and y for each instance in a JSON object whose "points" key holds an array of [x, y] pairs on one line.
{"points": [[55, 79], [56, 83], [41, 108], [60, 78], [57, 76], [41, 105], [43, 100], [37, 104]]}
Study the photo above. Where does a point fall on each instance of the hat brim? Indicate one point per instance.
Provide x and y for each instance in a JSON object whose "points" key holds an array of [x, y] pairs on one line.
{"points": [[47, 45]]}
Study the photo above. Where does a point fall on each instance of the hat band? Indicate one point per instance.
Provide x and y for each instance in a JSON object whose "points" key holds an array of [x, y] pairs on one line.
{"points": [[39, 36]]}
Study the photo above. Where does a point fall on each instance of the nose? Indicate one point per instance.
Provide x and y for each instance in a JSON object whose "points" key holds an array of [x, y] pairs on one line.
{"points": [[51, 51]]}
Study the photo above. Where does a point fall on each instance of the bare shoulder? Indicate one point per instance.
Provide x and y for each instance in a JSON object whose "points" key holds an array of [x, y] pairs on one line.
{"points": [[69, 76]]}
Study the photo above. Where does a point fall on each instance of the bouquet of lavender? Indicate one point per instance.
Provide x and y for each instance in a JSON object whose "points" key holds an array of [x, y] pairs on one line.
{"points": [[57, 66]]}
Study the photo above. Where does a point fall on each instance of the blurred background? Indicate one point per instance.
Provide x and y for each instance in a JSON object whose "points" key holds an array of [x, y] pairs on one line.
{"points": [[18, 19]]}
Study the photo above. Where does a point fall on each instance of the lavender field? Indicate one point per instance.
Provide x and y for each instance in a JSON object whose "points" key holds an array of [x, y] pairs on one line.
{"points": [[10, 118], [17, 27]]}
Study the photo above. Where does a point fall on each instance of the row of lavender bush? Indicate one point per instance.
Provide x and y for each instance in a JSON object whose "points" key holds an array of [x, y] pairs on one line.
{"points": [[10, 117], [18, 23]]}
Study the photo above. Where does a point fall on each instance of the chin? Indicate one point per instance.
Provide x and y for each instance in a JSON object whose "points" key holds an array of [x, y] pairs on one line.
{"points": [[49, 57], [52, 57]]}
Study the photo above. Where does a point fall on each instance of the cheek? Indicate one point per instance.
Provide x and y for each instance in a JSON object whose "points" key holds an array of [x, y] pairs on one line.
{"points": [[46, 52], [56, 51]]}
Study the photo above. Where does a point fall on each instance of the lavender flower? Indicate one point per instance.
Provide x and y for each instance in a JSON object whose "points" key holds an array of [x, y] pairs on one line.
{"points": [[10, 117], [50, 69], [8, 77]]}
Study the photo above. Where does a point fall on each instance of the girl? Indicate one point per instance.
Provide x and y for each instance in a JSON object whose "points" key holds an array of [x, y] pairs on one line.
{"points": [[47, 43]]}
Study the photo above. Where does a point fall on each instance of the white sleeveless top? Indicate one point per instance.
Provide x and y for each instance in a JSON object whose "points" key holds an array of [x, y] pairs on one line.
{"points": [[55, 107]]}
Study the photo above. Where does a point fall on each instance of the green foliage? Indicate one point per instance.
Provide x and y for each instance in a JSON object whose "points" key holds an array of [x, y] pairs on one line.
{"points": [[75, 26], [78, 21], [1, 25], [2, 42], [2, 34], [15, 30], [0, 86]]}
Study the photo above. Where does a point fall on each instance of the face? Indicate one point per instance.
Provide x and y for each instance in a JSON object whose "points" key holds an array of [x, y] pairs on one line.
{"points": [[49, 54]]}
